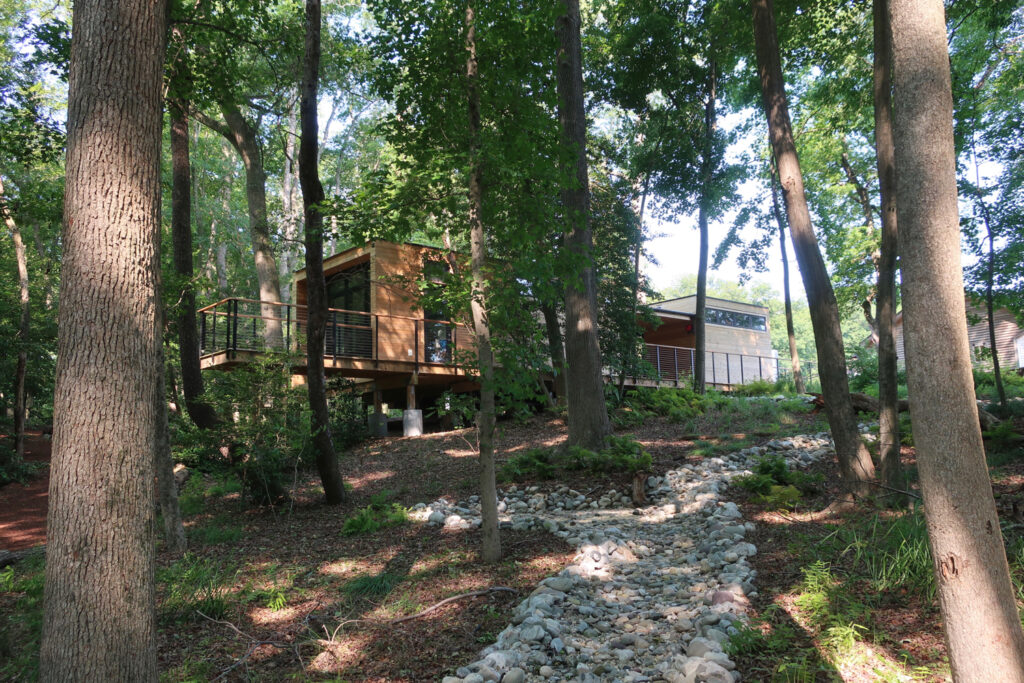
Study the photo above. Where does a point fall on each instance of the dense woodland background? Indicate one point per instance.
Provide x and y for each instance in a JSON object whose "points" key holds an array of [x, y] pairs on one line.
{"points": [[288, 137]]}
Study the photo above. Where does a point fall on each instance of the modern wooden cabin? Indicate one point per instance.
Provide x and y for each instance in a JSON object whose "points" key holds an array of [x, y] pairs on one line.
{"points": [[379, 335], [738, 345]]}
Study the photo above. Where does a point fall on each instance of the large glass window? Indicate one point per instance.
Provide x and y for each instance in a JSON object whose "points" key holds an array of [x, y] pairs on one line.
{"points": [[437, 333], [748, 321], [348, 330]]}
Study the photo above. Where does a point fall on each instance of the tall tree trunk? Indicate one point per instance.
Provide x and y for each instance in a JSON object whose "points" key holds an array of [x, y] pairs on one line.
{"points": [[556, 349], [983, 629], [24, 325], [588, 414], [312, 196], [708, 162], [201, 413], [794, 357], [491, 548], [242, 136], [855, 466], [99, 614], [890, 467]]}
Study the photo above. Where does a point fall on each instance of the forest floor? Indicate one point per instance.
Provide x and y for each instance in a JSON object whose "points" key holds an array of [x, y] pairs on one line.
{"points": [[273, 593]]}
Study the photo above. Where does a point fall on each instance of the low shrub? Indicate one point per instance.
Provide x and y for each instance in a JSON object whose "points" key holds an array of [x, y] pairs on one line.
{"points": [[535, 463], [379, 514], [372, 586], [622, 454]]}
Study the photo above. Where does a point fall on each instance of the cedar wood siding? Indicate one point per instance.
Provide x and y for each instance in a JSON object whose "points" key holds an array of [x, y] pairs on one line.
{"points": [[394, 271]]}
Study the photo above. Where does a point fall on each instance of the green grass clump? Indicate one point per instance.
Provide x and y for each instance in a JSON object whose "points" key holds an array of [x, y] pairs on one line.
{"points": [[218, 530], [372, 586], [196, 584], [379, 514], [21, 627]]}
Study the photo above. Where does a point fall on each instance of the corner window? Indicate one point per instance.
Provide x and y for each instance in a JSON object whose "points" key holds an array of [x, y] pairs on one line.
{"points": [[747, 321]]}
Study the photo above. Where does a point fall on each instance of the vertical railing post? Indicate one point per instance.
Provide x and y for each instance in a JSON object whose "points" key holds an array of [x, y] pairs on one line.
{"points": [[743, 380], [675, 360], [455, 344], [376, 336], [213, 342], [657, 355], [233, 334], [202, 332], [334, 336], [254, 326], [288, 328], [728, 370], [693, 359], [416, 342]]}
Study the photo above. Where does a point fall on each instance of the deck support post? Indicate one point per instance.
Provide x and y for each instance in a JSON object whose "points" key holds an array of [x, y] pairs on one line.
{"points": [[412, 419], [378, 419]]}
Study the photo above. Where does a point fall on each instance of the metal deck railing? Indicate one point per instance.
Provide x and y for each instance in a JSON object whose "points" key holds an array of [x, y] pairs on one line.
{"points": [[676, 363], [238, 325]]}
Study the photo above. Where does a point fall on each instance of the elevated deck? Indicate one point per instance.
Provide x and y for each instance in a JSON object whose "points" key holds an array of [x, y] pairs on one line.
{"points": [[391, 349], [356, 344]]}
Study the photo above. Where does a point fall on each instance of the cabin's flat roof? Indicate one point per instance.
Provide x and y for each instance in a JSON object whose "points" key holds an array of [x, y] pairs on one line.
{"points": [[656, 304]]}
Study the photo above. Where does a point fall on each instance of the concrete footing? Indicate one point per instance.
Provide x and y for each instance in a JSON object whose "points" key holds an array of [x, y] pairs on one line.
{"points": [[378, 423], [412, 423]]}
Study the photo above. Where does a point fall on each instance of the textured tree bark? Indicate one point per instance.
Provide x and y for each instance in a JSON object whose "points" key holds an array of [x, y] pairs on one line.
{"points": [[242, 136], [316, 292], [855, 466], [201, 413], [794, 357], [707, 172], [889, 465], [556, 349], [491, 545], [99, 599], [24, 325], [588, 414], [983, 629]]}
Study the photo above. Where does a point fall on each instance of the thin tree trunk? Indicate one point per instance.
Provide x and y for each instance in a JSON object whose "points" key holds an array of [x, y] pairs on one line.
{"points": [[990, 274], [201, 413], [312, 196], [637, 256], [855, 466], [555, 347], [163, 466], [983, 629], [890, 467], [863, 198], [588, 414], [242, 136], [491, 547], [99, 605], [288, 204], [707, 172], [24, 326], [794, 357]]}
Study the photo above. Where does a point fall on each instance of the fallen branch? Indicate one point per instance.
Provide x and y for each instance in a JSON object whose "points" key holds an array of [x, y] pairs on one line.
{"points": [[471, 594], [253, 645], [894, 490]]}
